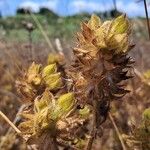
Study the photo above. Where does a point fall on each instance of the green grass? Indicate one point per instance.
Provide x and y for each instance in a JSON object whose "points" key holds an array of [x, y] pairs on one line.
{"points": [[54, 27], [11, 28]]}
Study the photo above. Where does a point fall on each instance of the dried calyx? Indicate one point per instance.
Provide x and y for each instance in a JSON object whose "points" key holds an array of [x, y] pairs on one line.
{"points": [[53, 108], [36, 79], [101, 62], [63, 100]]}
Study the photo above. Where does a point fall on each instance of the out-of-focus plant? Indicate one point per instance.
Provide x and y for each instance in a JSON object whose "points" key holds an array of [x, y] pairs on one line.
{"points": [[140, 137], [63, 100], [146, 14], [7, 141], [147, 77]]}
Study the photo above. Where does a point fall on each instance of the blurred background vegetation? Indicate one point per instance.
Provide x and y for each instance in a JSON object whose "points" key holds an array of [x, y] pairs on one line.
{"points": [[54, 25]]}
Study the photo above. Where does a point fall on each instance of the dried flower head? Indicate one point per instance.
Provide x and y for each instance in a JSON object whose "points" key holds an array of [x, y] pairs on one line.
{"points": [[47, 111], [64, 100], [37, 79], [101, 61]]}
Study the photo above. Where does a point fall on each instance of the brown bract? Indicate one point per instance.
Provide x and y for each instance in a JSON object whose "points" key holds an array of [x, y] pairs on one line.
{"points": [[101, 62]]}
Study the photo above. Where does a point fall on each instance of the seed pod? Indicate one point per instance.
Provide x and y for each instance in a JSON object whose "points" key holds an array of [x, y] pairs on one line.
{"points": [[66, 102], [33, 74], [120, 25], [48, 70], [53, 81], [94, 22]]}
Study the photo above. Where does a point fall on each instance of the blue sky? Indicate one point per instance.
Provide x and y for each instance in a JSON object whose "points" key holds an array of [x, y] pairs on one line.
{"points": [[69, 7]]}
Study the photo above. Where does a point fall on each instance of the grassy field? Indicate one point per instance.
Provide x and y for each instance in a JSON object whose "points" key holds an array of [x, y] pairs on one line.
{"points": [[54, 26]]}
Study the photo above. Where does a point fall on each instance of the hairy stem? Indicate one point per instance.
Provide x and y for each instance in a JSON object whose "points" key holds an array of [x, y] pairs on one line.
{"points": [[94, 127]]}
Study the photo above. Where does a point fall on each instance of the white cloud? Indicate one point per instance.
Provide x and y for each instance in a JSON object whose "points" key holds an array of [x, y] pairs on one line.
{"points": [[88, 6], [75, 6], [132, 8], [30, 5], [52, 5], [35, 6]]}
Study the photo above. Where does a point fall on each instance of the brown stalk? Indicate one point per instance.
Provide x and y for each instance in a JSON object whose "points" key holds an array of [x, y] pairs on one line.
{"points": [[30, 45], [117, 131], [93, 131], [94, 123], [59, 46], [9, 122], [48, 142], [17, 118], [147, 18]]}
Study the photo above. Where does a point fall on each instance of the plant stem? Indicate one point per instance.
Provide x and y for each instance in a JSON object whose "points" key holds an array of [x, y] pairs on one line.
{"points": [[43, 32], [59, 46], [53, 144], [147, 18], [16, 120], [48, 142], [30, 46], [115, 6], [117, 131], [94, 127], [9, 122]]}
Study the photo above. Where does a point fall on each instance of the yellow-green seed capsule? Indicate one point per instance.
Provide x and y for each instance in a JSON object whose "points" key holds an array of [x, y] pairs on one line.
{"points": [[120, 25], [85, 111], [66, 102], [146, 114], [48, 70], [54, 81]]}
